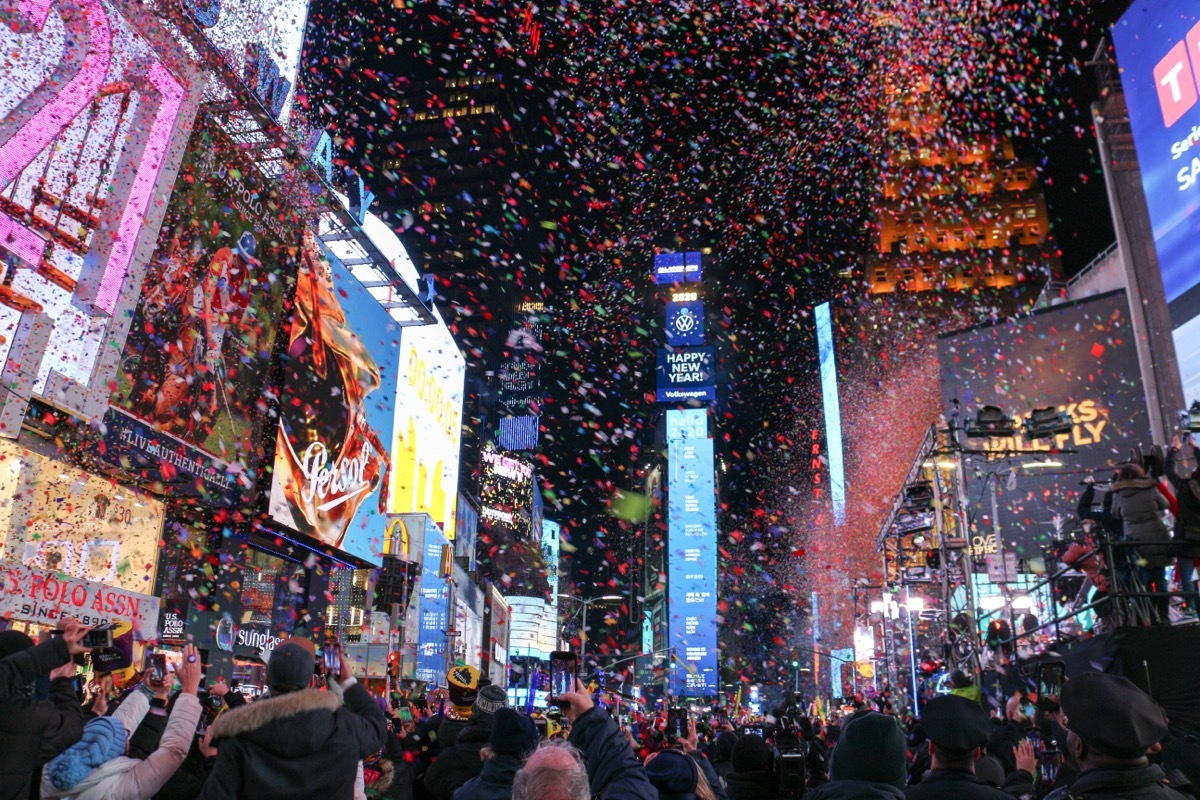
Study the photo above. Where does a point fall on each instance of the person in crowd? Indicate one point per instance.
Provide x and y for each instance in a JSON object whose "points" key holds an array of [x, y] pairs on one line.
{"points": [[514, 737], [595, 762], [462, 687], [1009, 732], [98, 766], [1187, 521], [1086, 510], [1111, 724], [1140, 507], [958, 729], [459, 761], [298, 742], [963, 686], [868, 761], [722, 754], [677, 776], [34, 731], [753, 775]]}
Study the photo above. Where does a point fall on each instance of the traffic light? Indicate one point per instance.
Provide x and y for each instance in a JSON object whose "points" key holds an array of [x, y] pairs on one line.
{"points": [[795, 663]]}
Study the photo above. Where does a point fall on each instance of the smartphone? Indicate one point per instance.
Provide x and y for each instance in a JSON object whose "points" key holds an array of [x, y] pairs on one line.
{"points": [[1050, 678], [99, 637], [158, 668], [677, 722], [333, 663], [564, 667], [1048, 761], [1034, 737], [404, 714]]}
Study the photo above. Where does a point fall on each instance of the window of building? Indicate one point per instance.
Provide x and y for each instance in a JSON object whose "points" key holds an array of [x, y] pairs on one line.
{"points": [[1035, 230], [927, 275], [881, 275], [908, 274]]}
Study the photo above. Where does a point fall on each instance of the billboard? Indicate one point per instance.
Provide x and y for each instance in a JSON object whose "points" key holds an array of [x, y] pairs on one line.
{"points": [[433, 612], [833, 412], [678, 268], [685, 322], [1158, 48], [520, 365], [1079, 358], [95, 102], [685, 373], [428, 425], [692, 563], [185, 414], [337, 407]]}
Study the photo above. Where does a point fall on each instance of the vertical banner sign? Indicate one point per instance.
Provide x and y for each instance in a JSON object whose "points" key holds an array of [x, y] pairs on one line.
{"points": [[692, 562], [833, 413], [332, 453], [520, 367], [434, 612], [92, 96]]}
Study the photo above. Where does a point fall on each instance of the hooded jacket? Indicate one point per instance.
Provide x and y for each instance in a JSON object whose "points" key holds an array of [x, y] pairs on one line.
{"points": [[1140, 505], [34, 731], [495, 782], [614, 773], [126, 778], [297, 746], [458, 761], [855, 790]]}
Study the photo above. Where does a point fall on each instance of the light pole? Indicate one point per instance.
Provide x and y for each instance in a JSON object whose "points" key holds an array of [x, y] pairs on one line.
{"points": [[583, 627]]}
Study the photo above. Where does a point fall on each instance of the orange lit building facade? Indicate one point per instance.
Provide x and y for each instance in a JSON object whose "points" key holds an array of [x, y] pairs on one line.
{"points": [[954, 214]]}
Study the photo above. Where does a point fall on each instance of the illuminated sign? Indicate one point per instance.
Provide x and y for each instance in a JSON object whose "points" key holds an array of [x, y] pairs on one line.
{"points": [[677, 267], [1158, 48], [1077, 357], [428, 427], [45, 596], [690, 423], [692, 560], [519, 375], [686, 373], [434, 612], [96, 99], [833, 413], [685, 323], [332, 459]]}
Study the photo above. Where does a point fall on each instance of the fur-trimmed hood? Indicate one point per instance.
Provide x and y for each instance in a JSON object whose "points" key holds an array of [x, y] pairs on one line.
{"points": [[294, 724], [1134, 484]]}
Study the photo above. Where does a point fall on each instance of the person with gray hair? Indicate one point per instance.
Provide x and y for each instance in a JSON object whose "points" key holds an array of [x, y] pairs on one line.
{"points": [[596, 762]]}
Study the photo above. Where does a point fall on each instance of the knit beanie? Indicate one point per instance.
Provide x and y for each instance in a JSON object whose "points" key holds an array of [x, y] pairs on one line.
{"points": [[513, 733], [462, 684], [290, 668], [871, 748], [751, 753], [491, 698], [103, 740], [13, 642], [673, 774]]}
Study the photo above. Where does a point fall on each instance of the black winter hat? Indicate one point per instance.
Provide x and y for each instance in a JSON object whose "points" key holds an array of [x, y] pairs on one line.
{"points": [[13, 642], [1112, 715], [871, 748], [290, 667], [673, 774], [513, 733], [752, 754], [955, 723]]}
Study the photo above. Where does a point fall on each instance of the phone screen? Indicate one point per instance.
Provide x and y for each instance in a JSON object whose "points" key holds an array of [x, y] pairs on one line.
{"points": [[99, 637], [404, 713], [332, 662], [563, 668], [1035, 739], [677, 722], [1050, 678], [158, 667]]}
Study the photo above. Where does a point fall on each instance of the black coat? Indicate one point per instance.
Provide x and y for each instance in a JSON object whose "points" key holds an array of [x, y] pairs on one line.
{"points": [[1187, 494], [855, 790], [950, 784], [302, 745], [757, 785], [457, 764], [495, 782], [1145, 783], [34, 731], [614, 772]]}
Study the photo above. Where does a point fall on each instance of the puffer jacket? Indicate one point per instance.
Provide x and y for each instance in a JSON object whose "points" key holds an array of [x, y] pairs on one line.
{"points": [[1140, 505], [1187, 493], [127, 778]]}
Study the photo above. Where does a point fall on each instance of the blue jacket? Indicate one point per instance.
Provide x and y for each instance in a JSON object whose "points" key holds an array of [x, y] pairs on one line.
{"points": [[614, 772], [495, 782]]}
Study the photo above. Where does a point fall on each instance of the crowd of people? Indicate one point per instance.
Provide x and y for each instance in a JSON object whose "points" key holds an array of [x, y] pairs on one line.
{"points": [[324, 736]]}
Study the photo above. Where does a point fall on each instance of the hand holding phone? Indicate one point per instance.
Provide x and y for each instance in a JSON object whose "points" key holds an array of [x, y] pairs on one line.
{"points": [[1050, 678], [677, 723], [99, 637], [563, 673]]}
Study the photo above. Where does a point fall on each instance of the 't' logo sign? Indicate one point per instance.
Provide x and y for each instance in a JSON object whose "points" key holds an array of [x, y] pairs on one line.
{"points": [[1176, 77]]}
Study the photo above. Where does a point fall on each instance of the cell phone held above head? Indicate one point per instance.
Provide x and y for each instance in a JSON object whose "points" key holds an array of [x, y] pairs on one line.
{"points": [[564, 667], [99, 638]]}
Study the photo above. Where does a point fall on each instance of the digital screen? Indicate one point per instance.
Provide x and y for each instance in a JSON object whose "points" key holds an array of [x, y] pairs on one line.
{"points": [[428, 425], [1158, 49], [519, 375], [94, 99], [685, 323], [692, 563], [185, 414], [686, 373], [678, 268], [687, 423], [833, 413], [434, 612], [337, 407], [1079, 358]]}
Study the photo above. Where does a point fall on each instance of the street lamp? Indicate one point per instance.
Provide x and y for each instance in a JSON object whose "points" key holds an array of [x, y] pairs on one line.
{"points": [[583, 627]]}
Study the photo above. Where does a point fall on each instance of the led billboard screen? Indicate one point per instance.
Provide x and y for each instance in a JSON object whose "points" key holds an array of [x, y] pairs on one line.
{"points": [[686, 373], [434, 612], [685, 322], [1079, 358], [95, 101], [186, 412], [678, 267], [428, 425], [1158, 49], [520, 366], [692, 562], [337, 407]]}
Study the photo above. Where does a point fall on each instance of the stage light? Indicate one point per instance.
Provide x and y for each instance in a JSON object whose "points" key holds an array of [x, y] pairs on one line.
{"points": [[989, 422], [991, 602], [918, 540], [918, 497], [999, 631], [916, 604], [913, 523], [1046, 422], [1022, 601]]}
